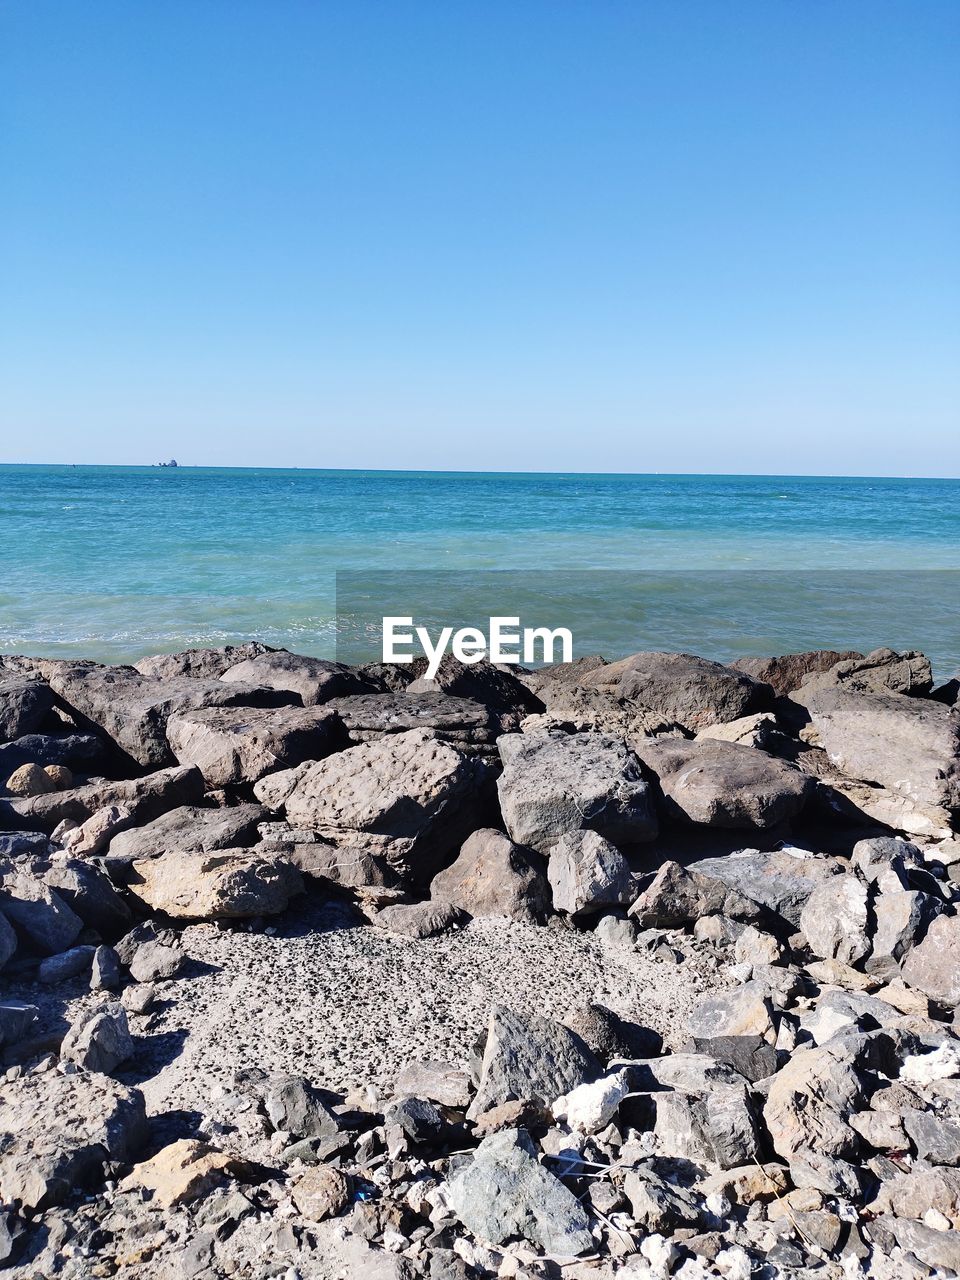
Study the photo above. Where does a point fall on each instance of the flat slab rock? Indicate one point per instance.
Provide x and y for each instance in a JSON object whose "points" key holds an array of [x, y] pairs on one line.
{"points": [[200, 664], [313, 680], [724, 784], [58, 1131], [553, 784], [231, 884], [190, 829], [232, 745], [465, 723], [781, 880], [143, 798]]}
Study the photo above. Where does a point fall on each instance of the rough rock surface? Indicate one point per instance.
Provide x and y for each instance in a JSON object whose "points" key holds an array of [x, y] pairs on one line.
{"points": [[25, 703], [492, 876], [313, 680], [190, 829], [230, 745], [144, 798], [201, 664], [880, 671], [933, 966], [230, 884], [787, 672], [470, 726], [587, 874]]}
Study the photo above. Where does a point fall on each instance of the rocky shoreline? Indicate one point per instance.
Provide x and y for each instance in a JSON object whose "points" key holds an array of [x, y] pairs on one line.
{"points": [[648, 967]]}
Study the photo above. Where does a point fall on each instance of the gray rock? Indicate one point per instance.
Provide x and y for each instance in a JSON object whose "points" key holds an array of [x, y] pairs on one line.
{"points": [[880, 671], [609, 1036], [190, 829], [232, 745], [230, 884], [16, 1020], [718, 1129], [200, 664], [787, 672], [743, 1011], [693, 1073], [469, 726], [724, 784], [616, 931], [81, 752], [809, 1103], [89, 893], [24, 705], [133, 710], [420, 919], [38, 913], [555, 784], [155, 962], [933, 1248], [933, 966], [419, 1119], [320, 860], [492, 876], [573, 709], [410, 798], [15, 843], [935, 1140], [658, 1205], [8, 940], [66, 965], [145, 798], [295, 1106], [909, 745], [481, 682], [751, 1056], [504, 1193], [99, 1042], [60, 1129], [314, 680], [587, 874], [530, 1058], [834, 920], [902, 917], [781, 880], [679, 895], [812, 1170], [105, 970], [682, 687], [885, 861], [440, 1082]]}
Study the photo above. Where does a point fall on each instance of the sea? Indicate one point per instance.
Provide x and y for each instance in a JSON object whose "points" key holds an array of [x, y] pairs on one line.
{"points": [[114, 563]]}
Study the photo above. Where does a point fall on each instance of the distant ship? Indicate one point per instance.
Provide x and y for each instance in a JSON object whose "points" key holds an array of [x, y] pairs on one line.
{"points": [[172, 463]]}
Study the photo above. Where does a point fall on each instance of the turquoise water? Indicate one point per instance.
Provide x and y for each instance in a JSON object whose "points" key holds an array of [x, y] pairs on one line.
{"points": [[116, 562]]}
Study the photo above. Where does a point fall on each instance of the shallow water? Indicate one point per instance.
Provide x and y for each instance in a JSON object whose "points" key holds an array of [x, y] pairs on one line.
{"points": [[116, 562]]}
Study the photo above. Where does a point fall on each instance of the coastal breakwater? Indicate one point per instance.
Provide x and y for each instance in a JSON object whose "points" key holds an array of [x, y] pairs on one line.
{"points": [[647, 966]]}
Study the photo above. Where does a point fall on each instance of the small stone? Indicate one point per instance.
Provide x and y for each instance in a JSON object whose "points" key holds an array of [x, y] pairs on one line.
{"points": [[99, 1042], [105, 971], [587, 874], [155, 962], [66, 965], [834, 920], [60, 776], [321, 1192]]}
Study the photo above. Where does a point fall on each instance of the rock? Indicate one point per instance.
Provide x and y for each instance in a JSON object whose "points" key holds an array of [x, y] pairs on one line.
{"points": [[105, 970], [25, 704], [909, 745], [440, 1082], [469, 726], [718, 1129], [678, 895], [902, 917], [314, 680], [14, 843], [911, 1194], [479, 682], [530, 1058], [781, 880], [555, 784], [420, 919], [190, 829], [809, 1103], [80, 752], [139, 998], [97, 831], [750, 1056], [231, 884], [410, 798], [587, 874], [200, 664], [89, 893], [933, 966], [615, 930], [231, 745], [66, 965], [684, 688], [320, 860], [145, 798], [786, 673], [492, 876], [811, 1170], [834, 920], [881, 671], [59, 1130], [419, 1119], [742, 1011], [59, 775], [28, 780], [934, 1247], [758, 731], [591, 1107], [723, 784], [504, 1193], [182, 1172], [753, 946], [155, 962], [133, 710], [321, 1193], [658, 1205], [573, 709], [8, 940], [16, 1020], [99, 1042], [935, 1141], [38, 914], [609, 1036], [295, 1106], [693, 1073]]}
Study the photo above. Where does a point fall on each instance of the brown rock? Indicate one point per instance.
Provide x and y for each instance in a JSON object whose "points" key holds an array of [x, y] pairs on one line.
{"points": [[321, 1192], [183, 1171]]}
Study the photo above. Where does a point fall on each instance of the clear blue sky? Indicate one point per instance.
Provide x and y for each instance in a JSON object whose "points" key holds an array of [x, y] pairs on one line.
{"points": [[619, 235]]}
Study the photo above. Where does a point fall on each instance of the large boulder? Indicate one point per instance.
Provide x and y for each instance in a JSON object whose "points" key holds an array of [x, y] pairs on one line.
{"points": [[530, 1058], [90, 894], [933, 966], [693, 691], [834, 920], [38, 914], [231, 745], [409, 797], [810, 1101], [313, 680], [909, 745], [469, 726], [142, 798], [788, 671], [781, 880], [25, 704], [481, 682], [679, 895], [881, 671], [190, 829], [200, 664], [57, 1131], [231, 884], [493, 877], [557, 783], [503, 1193], [588, 874], [81, 752], [133, 710], [723, 784], [572, 708]]}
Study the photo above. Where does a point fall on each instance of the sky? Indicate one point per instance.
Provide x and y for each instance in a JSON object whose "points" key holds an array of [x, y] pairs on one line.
{"points": [[605, 235]]}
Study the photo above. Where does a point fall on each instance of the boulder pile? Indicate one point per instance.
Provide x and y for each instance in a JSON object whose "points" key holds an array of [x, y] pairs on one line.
{"points": [[794, 818]]}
